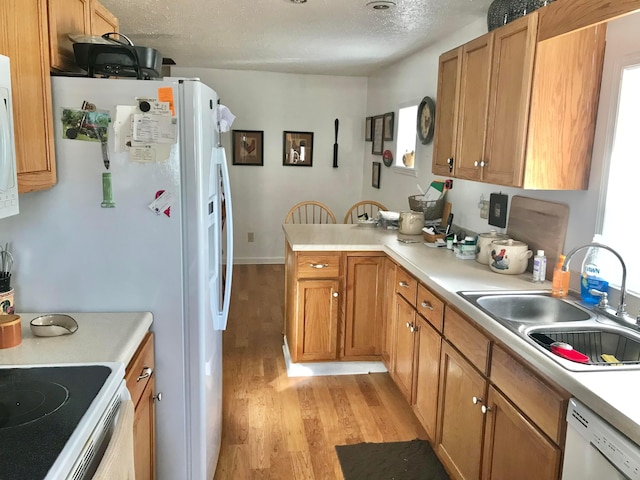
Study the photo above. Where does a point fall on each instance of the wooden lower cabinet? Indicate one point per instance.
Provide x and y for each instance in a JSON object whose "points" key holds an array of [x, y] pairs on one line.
{"points": [[317, 321], [460, 420], [140, 379], [427, 375], [405, 344], [513, 446], [364, 306]]}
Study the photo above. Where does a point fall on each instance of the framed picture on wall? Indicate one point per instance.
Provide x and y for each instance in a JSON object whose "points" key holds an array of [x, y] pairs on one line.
{"points": [[248, 147], [297, 149], [367, 129], [378, 133], [375, 174], [388, 126]]}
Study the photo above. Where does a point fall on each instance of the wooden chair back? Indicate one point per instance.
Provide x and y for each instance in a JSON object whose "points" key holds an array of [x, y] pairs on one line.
{"points": [[369, 207], [310, 212]]}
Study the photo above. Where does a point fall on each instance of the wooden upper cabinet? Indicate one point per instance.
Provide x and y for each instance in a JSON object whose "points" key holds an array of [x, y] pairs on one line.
{"points": [[23, 38], [472, 108], [102, 20], [444, 146], [526, 108], [509, 95], [68, 17]]}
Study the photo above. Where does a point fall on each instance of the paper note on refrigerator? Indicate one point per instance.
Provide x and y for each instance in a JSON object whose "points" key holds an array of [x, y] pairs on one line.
{"points": [[152, 128]]}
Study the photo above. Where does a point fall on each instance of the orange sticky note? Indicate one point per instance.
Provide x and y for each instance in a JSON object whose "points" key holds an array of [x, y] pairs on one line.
{"points": [[165, 94]]}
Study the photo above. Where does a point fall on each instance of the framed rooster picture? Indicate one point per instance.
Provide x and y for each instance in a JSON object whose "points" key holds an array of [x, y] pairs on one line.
{"points": [[248, 147]]}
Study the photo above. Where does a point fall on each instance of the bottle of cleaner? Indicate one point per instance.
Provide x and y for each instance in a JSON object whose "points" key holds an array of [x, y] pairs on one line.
{"points": [[539, 267], [591, 278], [560, 282]]}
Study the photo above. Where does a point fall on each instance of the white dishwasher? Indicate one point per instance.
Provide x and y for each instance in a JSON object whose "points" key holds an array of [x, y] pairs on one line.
{"points": [[595, 450]]}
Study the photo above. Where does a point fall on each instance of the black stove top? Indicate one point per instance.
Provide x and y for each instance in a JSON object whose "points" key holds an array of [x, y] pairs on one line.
{"points": [[40, 408]]}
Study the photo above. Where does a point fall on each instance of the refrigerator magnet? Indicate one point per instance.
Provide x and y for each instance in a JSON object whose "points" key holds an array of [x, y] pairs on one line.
{"points": [[162, 203]]}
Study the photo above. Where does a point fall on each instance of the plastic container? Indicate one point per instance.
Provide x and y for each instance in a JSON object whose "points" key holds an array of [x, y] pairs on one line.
{"points": [[560, 282], [591, 278], [539, 267]]}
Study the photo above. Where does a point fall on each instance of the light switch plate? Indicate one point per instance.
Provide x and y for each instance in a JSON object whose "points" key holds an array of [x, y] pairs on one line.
{"points": [[498, 210]]}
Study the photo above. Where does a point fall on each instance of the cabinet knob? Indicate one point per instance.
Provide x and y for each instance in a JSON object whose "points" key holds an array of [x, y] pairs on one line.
{"points": [[146, 373], [483, 163], [450, 163], [335, 294], [476, 400], [403, 284], [413, 328], [476, 164], [408, 325], [426, 305], [485, 409], [158, 396], [318, 265]]}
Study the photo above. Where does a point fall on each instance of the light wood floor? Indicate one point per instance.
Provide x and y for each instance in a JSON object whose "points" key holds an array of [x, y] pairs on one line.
{"points": [[286, 428]]}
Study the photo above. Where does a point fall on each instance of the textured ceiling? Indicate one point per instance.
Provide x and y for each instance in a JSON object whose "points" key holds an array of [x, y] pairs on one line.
{"points": [[333, 37]]}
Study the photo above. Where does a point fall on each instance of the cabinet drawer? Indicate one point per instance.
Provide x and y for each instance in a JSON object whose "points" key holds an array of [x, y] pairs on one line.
{"points": [[406, 285], [318, 265], [141, 361], [470, 341], [542, 404], [430, 307]]}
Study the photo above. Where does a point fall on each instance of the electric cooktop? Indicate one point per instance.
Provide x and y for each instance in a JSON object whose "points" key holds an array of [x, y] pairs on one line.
{"points": [[40, 407]]}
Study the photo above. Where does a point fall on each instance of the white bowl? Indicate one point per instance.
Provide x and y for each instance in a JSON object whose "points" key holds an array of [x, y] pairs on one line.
{"points": [[53, 325]]}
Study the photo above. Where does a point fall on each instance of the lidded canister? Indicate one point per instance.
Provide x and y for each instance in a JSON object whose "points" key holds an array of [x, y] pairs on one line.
{"points": [[483, 245]]}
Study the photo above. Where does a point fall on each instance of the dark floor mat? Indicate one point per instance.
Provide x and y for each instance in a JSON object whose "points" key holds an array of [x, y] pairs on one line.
{"points": [[412, 460]]}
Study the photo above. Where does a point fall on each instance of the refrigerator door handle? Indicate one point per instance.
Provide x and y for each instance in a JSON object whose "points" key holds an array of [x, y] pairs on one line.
{"points": [[226, 190]]}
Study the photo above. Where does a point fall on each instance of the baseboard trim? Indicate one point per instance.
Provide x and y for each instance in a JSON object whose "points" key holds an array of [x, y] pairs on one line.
{"points": [[316, 369]]}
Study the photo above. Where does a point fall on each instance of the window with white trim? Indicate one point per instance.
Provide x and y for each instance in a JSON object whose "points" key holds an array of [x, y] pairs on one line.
{"points": [[406, 144]]}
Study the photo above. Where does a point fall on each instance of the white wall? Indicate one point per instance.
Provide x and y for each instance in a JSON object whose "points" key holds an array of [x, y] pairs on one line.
{"points": [[275, 102], [416, 77]]}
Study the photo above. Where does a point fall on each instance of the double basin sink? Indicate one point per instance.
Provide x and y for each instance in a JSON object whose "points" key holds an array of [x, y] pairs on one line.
{"points": [[541, 320]]}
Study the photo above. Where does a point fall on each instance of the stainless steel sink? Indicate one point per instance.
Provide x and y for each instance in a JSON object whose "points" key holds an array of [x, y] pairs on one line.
{"points": [[561, 320]]}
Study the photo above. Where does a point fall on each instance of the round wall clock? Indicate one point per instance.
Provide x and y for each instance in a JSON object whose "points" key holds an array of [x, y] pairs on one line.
{"points": [[387, 158], [426, 120]]}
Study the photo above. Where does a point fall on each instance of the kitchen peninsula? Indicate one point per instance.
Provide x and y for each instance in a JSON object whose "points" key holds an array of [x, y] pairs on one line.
{"points": [[420, 284]]}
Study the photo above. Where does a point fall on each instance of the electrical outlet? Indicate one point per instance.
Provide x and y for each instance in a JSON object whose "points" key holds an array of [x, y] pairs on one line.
{"points": [[484, 209], [250, 237]]}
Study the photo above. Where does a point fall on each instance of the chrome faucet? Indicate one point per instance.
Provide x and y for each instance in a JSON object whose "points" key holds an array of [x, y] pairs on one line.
{"points": [[621, 311]]}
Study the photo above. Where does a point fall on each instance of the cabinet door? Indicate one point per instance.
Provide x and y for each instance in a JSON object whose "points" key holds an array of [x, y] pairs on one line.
{"points": [[405, 339], [23, 38], [364, 302], [67, 17], [388, 324], [144, 434], [427, 376], [472, 113], [102, 20], [317, 320], [444, 147], [509, 100], [460, 420], [513, 447]]}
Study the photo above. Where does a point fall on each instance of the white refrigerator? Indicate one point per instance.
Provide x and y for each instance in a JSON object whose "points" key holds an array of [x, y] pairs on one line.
{"points": [[89, 246]]}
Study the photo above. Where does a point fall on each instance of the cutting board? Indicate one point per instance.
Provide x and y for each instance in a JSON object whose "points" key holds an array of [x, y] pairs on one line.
{"points": [[540, 224]]}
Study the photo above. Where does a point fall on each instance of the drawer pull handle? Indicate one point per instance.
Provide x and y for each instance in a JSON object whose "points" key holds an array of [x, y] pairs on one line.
{"points": [[318, 265], [404, 284], [427, 305], [476, 400], [146, 373], [485, 409], [335, 294], [158, 397]]}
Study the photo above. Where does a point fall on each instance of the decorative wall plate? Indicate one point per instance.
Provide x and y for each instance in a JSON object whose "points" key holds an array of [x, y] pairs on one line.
{"points": [[387, 158]]}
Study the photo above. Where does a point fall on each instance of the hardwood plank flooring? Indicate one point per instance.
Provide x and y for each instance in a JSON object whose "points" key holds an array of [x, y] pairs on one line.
{"points": [[276, 427]]}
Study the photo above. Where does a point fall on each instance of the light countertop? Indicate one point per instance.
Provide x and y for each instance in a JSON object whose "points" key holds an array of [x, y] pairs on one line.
{"points": [[101, 337], [611, 394]]}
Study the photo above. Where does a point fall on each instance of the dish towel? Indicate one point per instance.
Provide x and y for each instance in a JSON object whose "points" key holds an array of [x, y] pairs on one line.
{"points": [[118, 457]]}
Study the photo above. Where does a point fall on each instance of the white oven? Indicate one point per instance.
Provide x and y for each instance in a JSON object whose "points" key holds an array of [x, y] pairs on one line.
{"points": [[56, 420], [8, 173]]}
